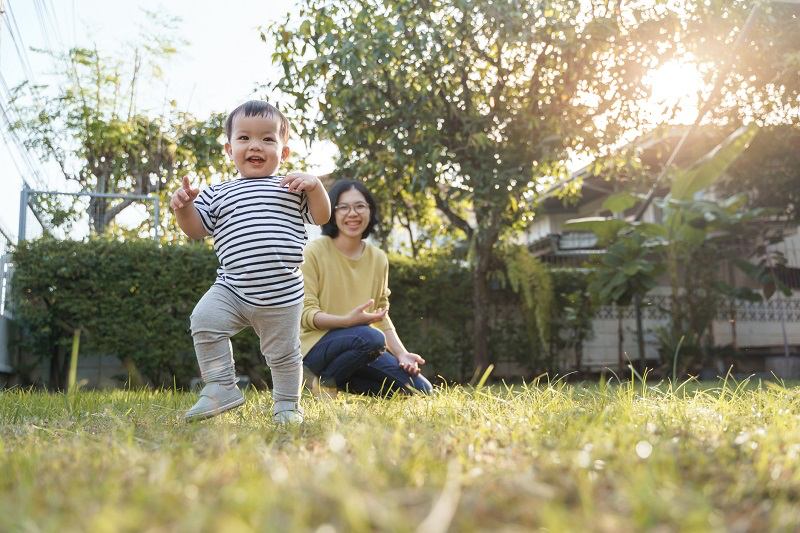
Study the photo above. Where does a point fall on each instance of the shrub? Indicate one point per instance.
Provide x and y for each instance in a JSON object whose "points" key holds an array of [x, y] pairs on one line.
{"points": [[133, 299]]}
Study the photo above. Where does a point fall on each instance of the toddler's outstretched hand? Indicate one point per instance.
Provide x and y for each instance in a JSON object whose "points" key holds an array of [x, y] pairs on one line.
{"points": [[183, 196]]}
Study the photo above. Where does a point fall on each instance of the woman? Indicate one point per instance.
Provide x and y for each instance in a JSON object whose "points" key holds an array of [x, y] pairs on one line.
{"points": [[347, 337]]}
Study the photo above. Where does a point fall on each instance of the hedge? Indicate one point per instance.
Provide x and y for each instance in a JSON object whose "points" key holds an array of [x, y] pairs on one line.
{"points": [[133, 299]]}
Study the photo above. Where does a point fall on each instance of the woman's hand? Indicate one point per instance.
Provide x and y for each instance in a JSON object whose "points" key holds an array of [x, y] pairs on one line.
{"points": [[360, 316], [410, 362]]}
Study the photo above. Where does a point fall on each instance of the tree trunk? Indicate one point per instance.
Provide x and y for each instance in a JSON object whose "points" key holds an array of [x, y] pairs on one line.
{"points": [[98, 205], [55, 381], [412, 242], [620, 341], [480, 301]]}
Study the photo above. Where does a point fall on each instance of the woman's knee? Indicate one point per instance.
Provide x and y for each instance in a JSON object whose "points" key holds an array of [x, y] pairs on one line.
{"points": [[373, 340]]}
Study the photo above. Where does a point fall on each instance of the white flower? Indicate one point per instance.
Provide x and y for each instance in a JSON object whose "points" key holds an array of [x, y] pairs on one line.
{"points": [[644, 449], [336, 442], [584, 459]]}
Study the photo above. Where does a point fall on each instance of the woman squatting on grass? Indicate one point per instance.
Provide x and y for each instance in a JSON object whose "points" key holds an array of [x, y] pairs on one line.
{"points": [[347, 338]]}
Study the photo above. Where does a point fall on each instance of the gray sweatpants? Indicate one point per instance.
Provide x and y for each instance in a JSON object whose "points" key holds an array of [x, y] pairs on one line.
{"points": [[219, 315]]}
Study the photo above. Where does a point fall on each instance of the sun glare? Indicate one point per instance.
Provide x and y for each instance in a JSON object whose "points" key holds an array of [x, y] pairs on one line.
{"points": [[675, 87]]}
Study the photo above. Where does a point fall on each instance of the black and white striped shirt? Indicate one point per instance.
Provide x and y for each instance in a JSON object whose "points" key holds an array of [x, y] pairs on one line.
{"points": [[259, 238]]}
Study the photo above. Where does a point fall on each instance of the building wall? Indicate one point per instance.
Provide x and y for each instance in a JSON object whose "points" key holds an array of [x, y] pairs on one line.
{"points": [[758, 325]]}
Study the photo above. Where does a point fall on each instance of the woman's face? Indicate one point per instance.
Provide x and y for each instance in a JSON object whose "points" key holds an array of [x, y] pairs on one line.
{"points": [[352, 213]]}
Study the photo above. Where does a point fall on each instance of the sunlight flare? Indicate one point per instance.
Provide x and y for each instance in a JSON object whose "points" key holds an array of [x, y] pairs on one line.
{"points": [[675, 88]]}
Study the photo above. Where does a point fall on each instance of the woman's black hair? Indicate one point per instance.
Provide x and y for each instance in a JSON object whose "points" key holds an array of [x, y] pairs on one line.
{"points": [[330, 228]]}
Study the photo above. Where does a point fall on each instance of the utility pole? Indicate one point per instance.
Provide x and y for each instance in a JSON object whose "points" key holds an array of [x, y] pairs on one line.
{"points": [[23, 209]]}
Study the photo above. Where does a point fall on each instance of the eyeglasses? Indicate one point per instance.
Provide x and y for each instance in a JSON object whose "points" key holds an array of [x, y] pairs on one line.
{"points": [[343, 209]]}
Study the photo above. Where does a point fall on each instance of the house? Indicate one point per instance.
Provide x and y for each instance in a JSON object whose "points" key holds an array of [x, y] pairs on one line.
{"points": [[755, 332]]}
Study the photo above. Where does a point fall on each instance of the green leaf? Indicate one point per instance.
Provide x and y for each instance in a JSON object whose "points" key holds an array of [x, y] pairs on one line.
{"points": [[620, 202], [713, 165], [606, 229], [648, 229], [754, 272]]}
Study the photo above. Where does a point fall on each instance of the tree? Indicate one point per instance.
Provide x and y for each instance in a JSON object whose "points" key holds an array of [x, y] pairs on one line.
{"points": [[90, 123], [769, 172], [764, 80], [469, 102]]}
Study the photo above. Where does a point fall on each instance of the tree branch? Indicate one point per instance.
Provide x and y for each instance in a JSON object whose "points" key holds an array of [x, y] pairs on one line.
{"points": [[114, 211], [457, 221]]}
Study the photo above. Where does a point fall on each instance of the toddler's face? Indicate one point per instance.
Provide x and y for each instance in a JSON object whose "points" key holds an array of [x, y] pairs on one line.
{"points": [[256, 146]]}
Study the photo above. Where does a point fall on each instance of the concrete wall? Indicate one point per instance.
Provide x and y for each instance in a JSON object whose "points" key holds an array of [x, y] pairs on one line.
{"points": [[100, 372]]}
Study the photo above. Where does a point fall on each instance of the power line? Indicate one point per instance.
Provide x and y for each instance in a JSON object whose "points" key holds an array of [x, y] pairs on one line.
{"points": [[2, 12], [51, 15], [23, 151], [7, 234], [40, 17], [16, 165], [11, 24], [19, 44]]}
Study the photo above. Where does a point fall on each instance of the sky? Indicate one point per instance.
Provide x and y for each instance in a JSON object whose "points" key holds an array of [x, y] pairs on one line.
{"points": [[220, 66]]}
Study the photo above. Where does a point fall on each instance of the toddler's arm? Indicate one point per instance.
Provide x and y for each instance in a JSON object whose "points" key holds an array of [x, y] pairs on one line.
{"points": [[319, 205], [182, 203]]}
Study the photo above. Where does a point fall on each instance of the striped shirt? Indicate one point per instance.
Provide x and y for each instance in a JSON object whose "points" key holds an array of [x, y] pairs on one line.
{"points": [[259, 236]]}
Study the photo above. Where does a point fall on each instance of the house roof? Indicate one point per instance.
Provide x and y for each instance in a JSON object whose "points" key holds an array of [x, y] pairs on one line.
{"points": [[653, 149]]}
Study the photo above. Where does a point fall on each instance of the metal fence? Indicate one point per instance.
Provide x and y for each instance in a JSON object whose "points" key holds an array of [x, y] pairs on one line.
{"points": [[657, 307]]}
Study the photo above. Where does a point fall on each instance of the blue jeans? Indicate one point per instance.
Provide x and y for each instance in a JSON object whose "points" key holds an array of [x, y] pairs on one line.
{"points": [[355, 359]]}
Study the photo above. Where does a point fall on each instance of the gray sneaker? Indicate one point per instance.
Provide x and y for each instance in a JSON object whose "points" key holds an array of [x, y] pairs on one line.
{"points": [[214, 399], [287, 413]]}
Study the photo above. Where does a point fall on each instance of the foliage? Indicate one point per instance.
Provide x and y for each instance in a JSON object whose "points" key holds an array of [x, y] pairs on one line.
{"points": [[470, 104], [769, 172], [627, 270], [430, 307], [764, 82], [130, 299], [90, 122], [573, 312], [133, 299], [530, 279], [552, 456], [712, 166]]}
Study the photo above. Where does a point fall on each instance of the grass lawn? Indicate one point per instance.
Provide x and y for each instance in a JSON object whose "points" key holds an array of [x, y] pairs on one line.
{"points": [[558, 457]]}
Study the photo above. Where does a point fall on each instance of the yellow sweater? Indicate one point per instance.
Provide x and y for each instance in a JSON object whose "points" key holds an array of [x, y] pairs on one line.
{"points": [[336, 284]]}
